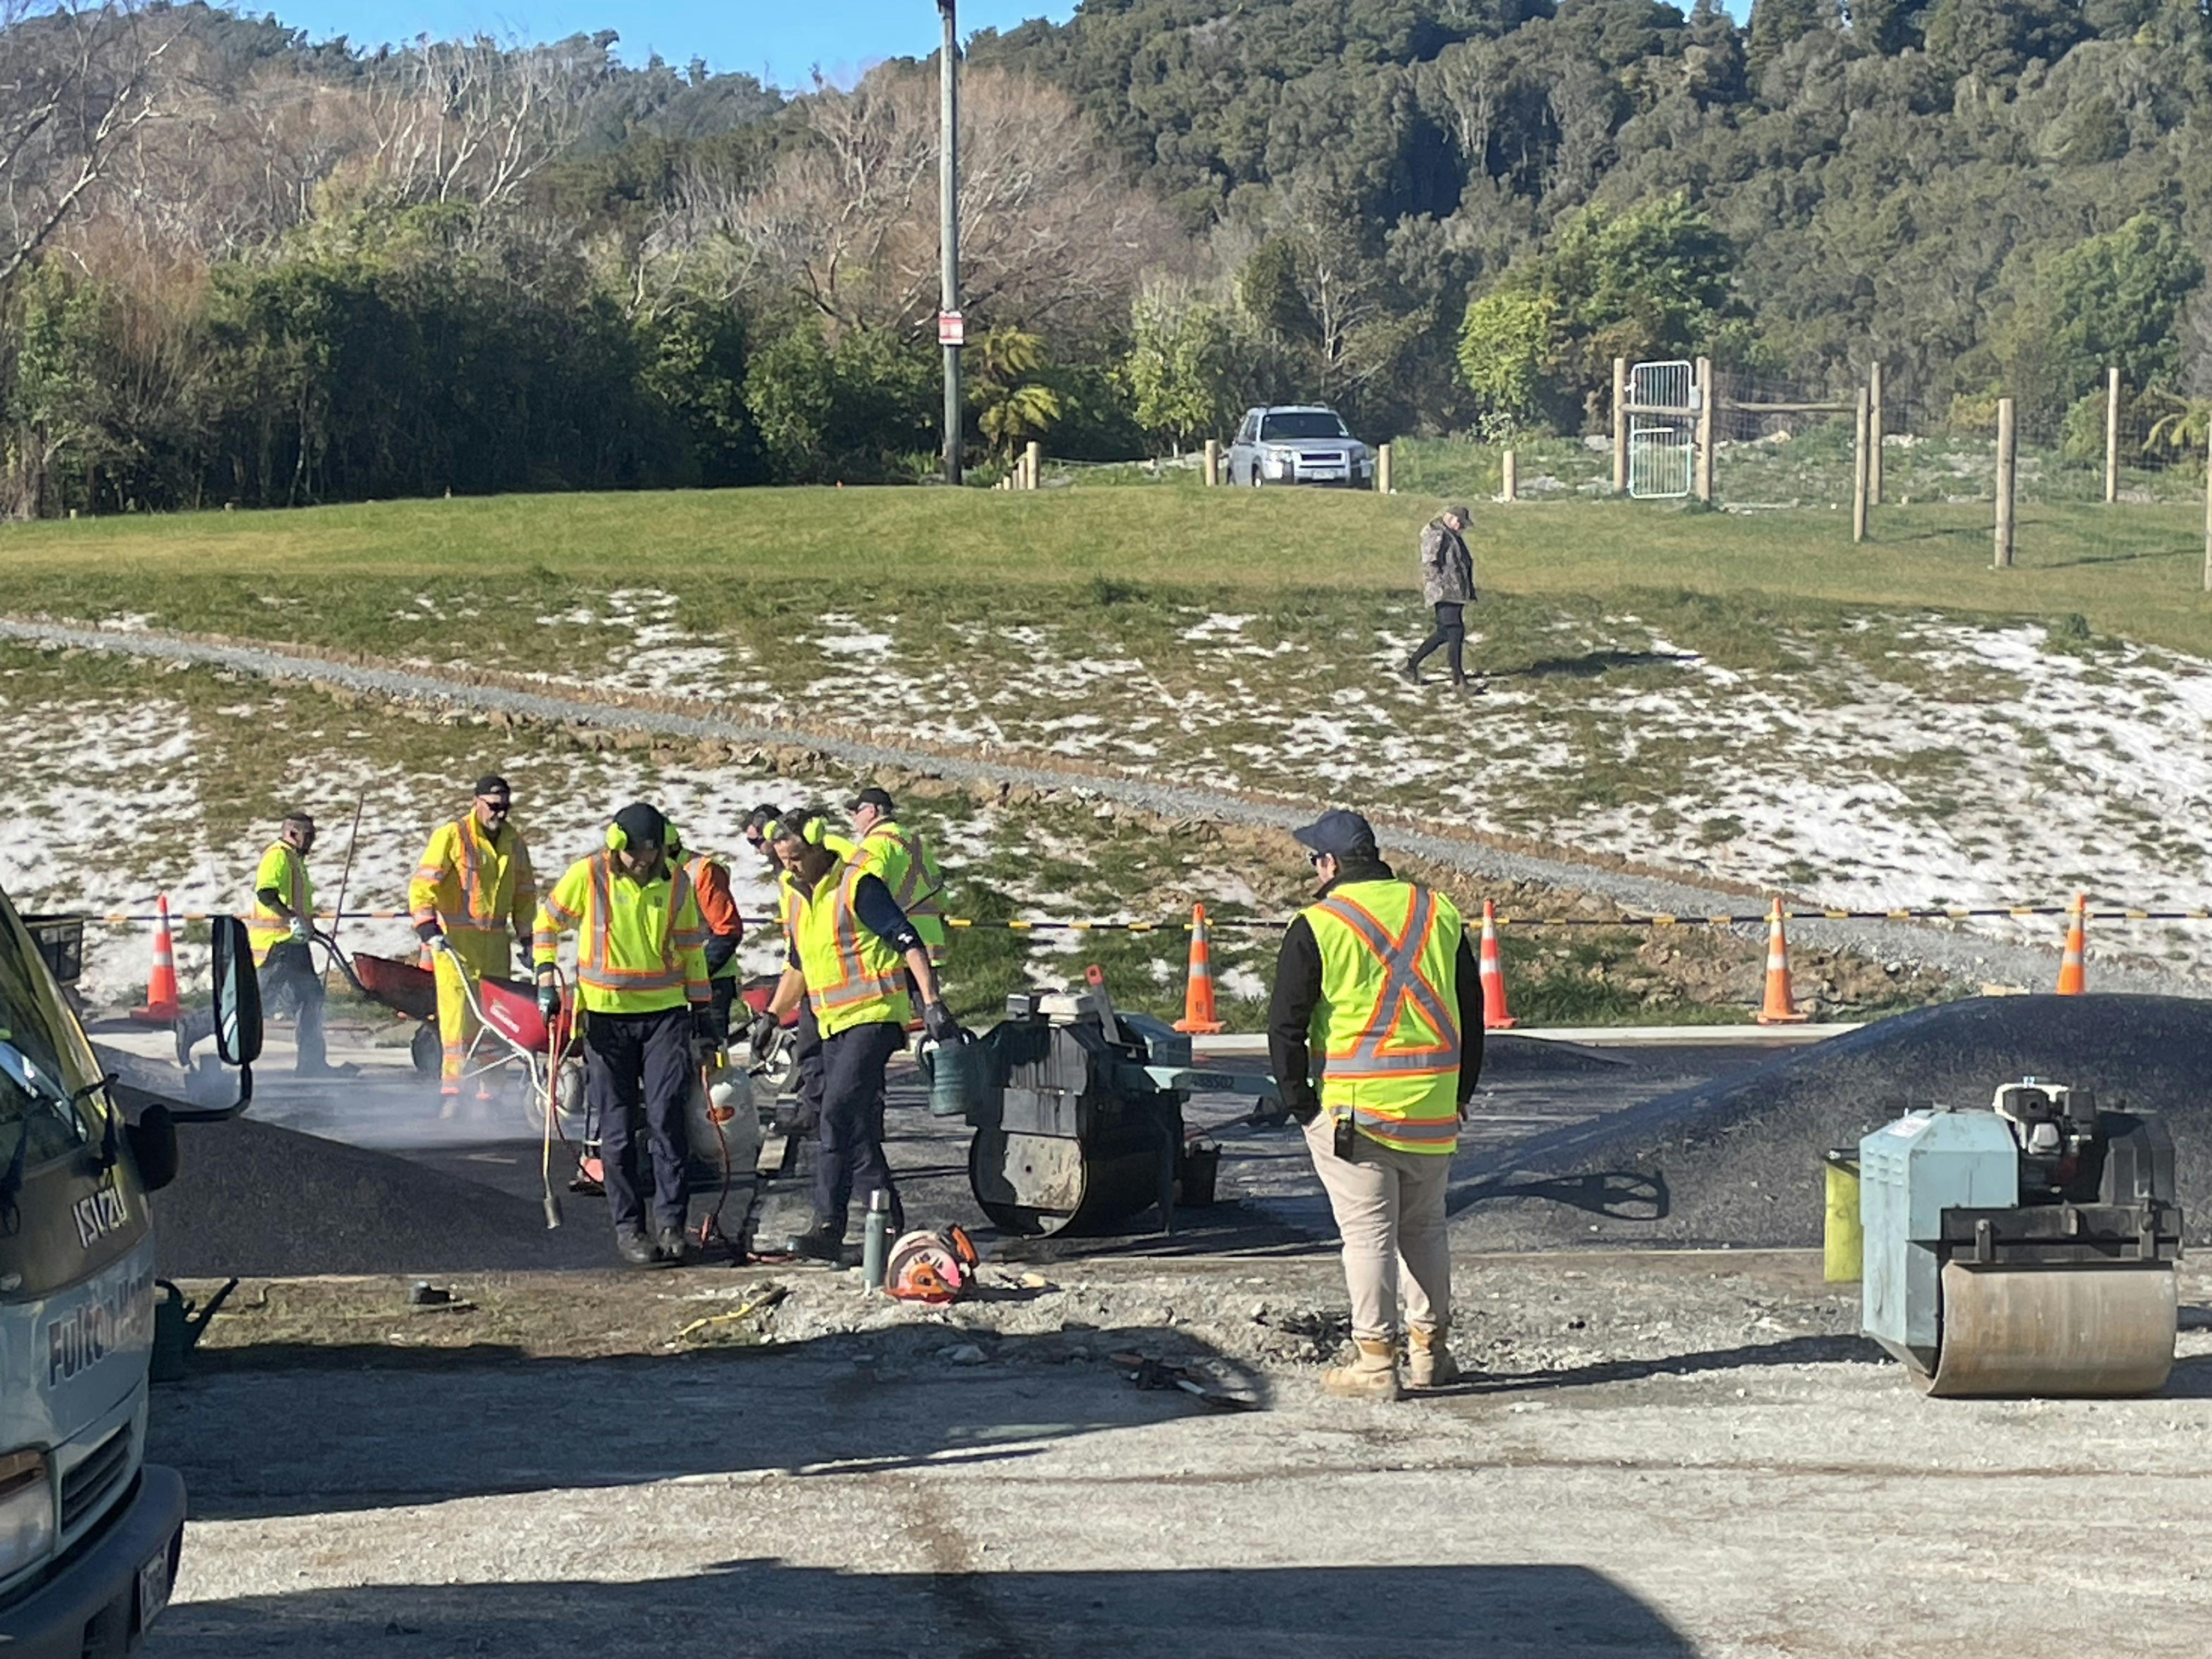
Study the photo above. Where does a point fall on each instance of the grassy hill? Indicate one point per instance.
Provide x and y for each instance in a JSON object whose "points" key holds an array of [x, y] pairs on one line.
{"points": [[330, 574], [1748, 699]]}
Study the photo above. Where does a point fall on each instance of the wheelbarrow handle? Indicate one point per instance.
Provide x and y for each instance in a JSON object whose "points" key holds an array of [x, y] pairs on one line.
{"points": [[340, 960]]}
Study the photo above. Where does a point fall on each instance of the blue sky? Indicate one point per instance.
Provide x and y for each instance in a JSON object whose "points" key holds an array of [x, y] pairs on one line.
{"points": [[779, 40]]}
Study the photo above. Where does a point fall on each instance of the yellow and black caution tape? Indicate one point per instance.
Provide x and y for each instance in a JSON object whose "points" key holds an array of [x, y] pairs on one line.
{"points": [[1182, 924]]}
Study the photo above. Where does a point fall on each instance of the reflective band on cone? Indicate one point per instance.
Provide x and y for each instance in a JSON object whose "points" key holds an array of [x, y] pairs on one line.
{"points": [[2073, 972], [1495, 1016], [1199, 1015], [1780, 1007], [162, 1007]]}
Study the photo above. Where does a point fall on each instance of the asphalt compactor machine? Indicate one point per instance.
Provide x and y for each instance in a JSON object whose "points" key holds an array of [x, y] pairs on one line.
{"points": [[1078, 1113], [2028, 1249]]}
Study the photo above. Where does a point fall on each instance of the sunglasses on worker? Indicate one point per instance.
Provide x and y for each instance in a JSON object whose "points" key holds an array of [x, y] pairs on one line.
{"points": [[498, 806]]}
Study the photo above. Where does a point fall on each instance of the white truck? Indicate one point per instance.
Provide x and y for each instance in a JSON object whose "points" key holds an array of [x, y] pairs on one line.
{"points": [[89, 1533]]}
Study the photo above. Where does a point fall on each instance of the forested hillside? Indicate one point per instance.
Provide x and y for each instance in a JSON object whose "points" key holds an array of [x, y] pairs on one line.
{"points": [[243, 266]]}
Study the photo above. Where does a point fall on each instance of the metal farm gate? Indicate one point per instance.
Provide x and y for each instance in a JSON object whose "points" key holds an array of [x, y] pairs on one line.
{"points": [[1662, 428]]}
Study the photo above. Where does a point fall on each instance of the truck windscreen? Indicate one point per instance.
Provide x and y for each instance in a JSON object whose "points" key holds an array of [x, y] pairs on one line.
{"points": [[44, 1065]]}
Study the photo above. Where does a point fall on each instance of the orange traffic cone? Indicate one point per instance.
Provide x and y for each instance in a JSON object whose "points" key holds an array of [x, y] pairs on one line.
{"points": [[162, 1007], [1495, 1016], [1198, 1011], [1780, 1007], [2073, 975]]}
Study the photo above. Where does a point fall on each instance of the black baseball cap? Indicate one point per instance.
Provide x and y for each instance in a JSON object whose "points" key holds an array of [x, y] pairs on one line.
{"points": [[643, 824], [872, 796], [492, 784], [1339, 834]]}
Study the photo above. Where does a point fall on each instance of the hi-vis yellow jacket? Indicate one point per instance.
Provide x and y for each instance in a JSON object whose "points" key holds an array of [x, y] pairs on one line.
{"points": [[640, 946], [853, 977], [282, 868], [1386, 1026], [899, 857], [469, 882]]}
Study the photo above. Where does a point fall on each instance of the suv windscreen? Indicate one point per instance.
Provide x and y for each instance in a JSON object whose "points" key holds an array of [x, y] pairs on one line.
{"points": [[1307, 423], [44, 1061]]}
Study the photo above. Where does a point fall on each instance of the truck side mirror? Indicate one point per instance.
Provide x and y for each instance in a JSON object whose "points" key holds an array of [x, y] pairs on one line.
{"points": [[154, 1147], [237, 994]]}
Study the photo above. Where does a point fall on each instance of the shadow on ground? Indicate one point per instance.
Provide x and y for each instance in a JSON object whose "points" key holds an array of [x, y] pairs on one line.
{"points": [[1792, 1351], [1593, 664], [367, 1425], [767, 1610]]}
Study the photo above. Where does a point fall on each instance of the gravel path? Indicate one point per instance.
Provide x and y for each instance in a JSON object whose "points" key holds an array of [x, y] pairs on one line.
{"points": [[1952, 950]]}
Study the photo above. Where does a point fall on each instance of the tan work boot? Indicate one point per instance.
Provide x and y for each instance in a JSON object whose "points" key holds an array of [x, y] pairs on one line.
{"points": [[1372, 1374], [1429, 1362]]}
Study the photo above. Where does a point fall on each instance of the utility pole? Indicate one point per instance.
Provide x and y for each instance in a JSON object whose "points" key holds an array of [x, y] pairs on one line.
{"points": [[952, 328]]}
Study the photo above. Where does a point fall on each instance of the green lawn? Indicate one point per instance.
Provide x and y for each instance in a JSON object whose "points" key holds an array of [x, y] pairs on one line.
{"points": [[337, 574]]}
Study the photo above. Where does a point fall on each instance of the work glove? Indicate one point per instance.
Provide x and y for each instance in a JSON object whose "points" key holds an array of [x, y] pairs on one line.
{"points": [[939, 1025], [704, 1029], [549, 1000], [430, 933], [302, 931], [766, 1038]]}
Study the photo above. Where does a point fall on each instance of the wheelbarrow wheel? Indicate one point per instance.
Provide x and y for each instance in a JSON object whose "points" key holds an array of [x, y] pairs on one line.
{"points": [[427, 1050]]}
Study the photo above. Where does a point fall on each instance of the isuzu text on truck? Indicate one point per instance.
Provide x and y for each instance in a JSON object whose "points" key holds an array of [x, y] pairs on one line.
{"points": [[89, 1533]]}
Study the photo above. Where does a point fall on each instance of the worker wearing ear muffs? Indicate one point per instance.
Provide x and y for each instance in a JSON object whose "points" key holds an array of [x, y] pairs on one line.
{"points": [[851, 953], [642, 978]]}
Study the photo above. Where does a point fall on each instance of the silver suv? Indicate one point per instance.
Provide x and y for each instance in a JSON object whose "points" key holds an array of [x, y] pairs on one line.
{"points": [[1299, 443]]}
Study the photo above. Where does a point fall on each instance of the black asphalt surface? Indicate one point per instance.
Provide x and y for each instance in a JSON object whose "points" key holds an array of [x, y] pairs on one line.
{"points": [[1704, 1146], [1736, 1161]]}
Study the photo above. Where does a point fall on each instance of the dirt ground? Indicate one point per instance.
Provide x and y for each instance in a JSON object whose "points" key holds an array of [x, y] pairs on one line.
{"points": [[1659, 1454]]}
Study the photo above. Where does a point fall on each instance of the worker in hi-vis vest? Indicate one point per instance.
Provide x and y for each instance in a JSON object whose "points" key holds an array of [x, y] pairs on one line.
{"points": [[1377, 984], [725, 926], [888, 849], [278, 925], [850, 953], [473, 901], [805, 1036], [642, 982]]}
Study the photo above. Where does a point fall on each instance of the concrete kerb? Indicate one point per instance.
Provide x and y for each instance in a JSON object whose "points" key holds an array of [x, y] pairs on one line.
{"points": [[1947, 949]]}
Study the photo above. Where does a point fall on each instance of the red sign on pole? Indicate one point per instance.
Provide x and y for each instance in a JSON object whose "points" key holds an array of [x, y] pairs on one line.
{"points": [[952, 329]]}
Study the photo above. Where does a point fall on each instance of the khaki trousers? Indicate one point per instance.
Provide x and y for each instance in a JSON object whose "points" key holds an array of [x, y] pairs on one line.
{"points": [[1389, 1207]]}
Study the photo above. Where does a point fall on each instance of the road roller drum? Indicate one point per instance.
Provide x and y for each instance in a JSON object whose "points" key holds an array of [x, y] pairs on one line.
{"points": [[2024, 1249]]}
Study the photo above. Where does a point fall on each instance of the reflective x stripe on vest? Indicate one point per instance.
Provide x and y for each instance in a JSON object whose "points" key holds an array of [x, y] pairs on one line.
{"points": [[1389, 1057], [898, 856]]}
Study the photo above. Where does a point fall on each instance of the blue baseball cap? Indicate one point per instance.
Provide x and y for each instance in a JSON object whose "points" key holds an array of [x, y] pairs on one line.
{"points": [[1340, 835]]}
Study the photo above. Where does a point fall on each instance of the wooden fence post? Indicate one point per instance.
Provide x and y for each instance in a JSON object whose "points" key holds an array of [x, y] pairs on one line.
{"points": [[2111, 435], [1509, 476], [1033, 464], [1862, 478], [1621, 426], [1704, 477], [1874, 434], [1382, 469], [1212, 462], [2005, 458]]}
